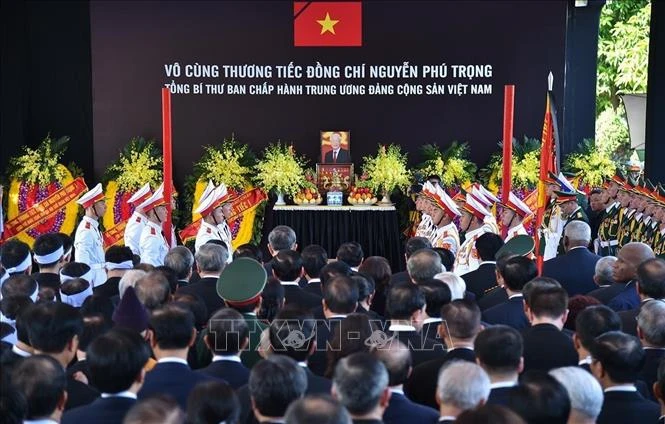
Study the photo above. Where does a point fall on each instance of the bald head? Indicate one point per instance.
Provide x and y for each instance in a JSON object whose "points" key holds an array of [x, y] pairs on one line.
{"points": [[628, 259], [397, 359]]}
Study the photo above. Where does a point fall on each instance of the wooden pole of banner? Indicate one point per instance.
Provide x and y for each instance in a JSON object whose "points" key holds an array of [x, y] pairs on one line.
{"points": [[508, 109], [166, 150]]}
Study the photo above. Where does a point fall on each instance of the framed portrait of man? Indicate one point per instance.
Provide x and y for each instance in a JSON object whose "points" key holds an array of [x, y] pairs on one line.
{"points": [[335, 147]]}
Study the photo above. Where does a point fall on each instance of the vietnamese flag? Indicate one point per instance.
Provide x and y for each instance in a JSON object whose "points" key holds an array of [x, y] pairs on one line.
{"points": [[327, 24]]}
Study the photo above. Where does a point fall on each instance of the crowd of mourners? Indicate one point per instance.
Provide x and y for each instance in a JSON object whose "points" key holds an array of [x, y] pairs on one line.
{"points": [[302, 335]]}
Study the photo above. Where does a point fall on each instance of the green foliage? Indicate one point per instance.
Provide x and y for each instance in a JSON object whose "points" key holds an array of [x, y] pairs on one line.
{"points": [[452, 165], [623, 51], [612, 136], [591, 163]]}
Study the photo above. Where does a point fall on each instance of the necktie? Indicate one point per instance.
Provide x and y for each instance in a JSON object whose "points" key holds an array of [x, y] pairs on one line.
{"points": [[335, 157]]}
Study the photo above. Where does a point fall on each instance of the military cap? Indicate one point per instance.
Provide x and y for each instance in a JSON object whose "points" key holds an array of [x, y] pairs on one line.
{"points": [[241, 282], [521, 245]]}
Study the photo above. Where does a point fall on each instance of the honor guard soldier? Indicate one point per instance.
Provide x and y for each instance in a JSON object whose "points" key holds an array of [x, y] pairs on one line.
{"points": [[571, 210], [153, 247], [138, 220], [515, 213], [472, 223], [214, 210], [606, 244], [627, 214], [426, 227], [446, 234], [88, 242], [658, 242], [487, 199], [240, 285]]}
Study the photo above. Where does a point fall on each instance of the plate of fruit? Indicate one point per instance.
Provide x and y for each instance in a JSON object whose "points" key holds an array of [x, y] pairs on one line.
{"points": [[308, 196], [361, 196]]}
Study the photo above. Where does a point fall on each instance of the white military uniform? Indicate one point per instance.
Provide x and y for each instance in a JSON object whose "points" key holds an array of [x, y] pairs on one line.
{"points": [[467, 258], [227, 238], [207, 232], [552, 233], [133, 231], [153, 247], [426, 227], [89, 249], [517, 230], [447, 237], [491, 225]]}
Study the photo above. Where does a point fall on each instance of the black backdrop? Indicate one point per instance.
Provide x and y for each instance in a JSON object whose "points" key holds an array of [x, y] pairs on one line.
{"points": [[132, 41]]}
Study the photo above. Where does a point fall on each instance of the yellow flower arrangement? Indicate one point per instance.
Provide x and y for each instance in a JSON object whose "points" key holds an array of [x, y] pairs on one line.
{"points": [[387, 170], [525, 165], [139, 163], [281, 170], [592, 164], [451, 165], [41, 165], [230, 163]]}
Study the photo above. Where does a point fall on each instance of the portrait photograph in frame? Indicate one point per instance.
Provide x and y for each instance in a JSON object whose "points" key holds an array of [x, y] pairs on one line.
{"points": [[335, 147]]}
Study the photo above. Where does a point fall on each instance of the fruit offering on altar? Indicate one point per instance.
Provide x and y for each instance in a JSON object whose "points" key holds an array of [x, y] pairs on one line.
{"points": [[361, 196], [308, 196]]}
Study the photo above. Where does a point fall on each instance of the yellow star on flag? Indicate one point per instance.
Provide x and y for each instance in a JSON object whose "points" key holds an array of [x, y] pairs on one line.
{"points": [[327, 24]]}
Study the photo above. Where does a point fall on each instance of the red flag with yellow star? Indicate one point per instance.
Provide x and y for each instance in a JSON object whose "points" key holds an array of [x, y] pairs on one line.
{"points": [[327, 24]]}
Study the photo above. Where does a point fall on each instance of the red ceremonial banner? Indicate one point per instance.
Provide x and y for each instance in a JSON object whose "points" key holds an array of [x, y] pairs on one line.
{"points": [[327, 24], [45, 209], [240, 205], [114, 235]]}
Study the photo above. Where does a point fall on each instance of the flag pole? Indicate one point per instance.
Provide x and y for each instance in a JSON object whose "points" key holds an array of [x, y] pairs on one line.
{"points": [[508, 113], [166, 150], [546, 165]]}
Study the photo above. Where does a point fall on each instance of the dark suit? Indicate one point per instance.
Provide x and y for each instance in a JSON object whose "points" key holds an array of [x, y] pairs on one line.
{"points": [[79, 394], [235, 373], [9, 360], [493, 297], [499, 396], [606, 294], [546, 347], [111, 410], [431, 329], [649, 372], [49, 280], [206, 289], [421, 386], [508, 313], [81, 366], [574, 270], [627, 407], [422, 349], [481, 280], [174, 379], [313, 288], [343, 156], [628, 321], [402, 410], [325, 331], [109, 288], [315, 386], [295, 296], [626, 299]]}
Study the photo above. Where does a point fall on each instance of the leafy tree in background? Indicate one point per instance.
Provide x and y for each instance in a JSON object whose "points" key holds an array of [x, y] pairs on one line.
{"points": [[623, 54]]}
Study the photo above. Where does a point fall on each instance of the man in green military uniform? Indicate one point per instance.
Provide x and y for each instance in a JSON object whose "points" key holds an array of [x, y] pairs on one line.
{"points": [[606, 244], [570, 210], [240, 285], [626, 215]]}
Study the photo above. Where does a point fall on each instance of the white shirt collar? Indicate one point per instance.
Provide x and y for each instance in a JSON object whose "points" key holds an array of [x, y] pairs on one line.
{"points": [[502, 384], [289, 283], [126, 394], [431, 320], [621, 388], [41, 421], [447, 418], [20, 352], [337, 316], [586, 361], [401, 327], [314, 280], [172, 359], [398, 391], [230, 358], [488, 262], [154, 225], [515, 295], [577, 247]]}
